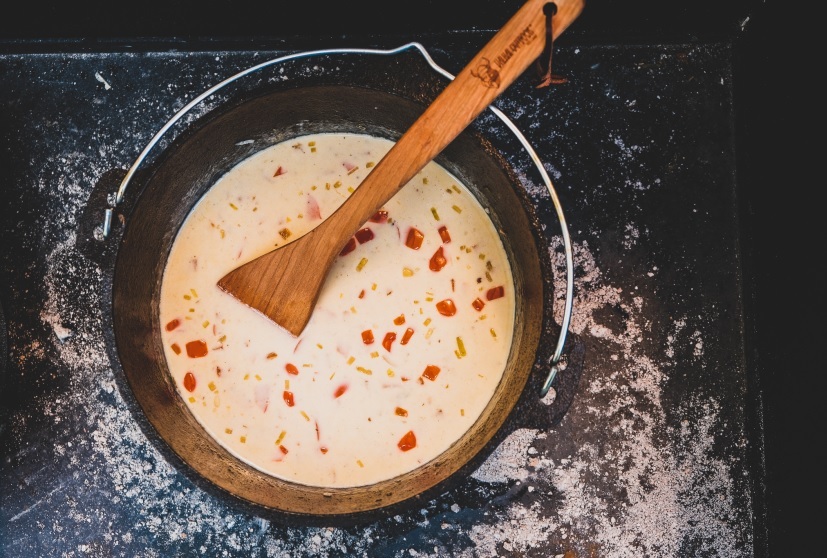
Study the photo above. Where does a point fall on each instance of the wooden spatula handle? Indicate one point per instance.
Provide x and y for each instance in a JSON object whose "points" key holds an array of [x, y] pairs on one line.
{"points": [[503, 59], [284, 284]]}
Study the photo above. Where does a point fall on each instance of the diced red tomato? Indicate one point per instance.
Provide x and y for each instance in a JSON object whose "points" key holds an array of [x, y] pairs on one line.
{"points": [[495, 292], [288, 398], [349, 247], [478, 304], [438, 260], [172, 324], [414, 239], [444, 234], [390, 337], [291, 369], [189, 381], [364, 235], [380, 216], [367, 337], [408, 441], [197, 348], [446, 307], [431, 372]]}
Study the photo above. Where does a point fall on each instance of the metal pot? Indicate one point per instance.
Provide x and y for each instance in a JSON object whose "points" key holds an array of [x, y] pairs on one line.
{"points": [[377, 95]]}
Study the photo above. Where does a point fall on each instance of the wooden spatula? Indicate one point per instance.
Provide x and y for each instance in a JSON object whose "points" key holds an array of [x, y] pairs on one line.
{"points": [[284, 284]]}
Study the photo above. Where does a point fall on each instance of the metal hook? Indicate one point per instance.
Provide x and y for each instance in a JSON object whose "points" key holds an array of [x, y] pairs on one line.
{"points": [[544, 61]]}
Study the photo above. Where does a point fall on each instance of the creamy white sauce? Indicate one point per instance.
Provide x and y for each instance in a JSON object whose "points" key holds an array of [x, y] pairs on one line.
{"points": [[352, 402]]}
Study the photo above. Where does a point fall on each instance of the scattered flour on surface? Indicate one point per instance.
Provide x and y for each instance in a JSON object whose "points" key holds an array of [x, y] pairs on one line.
{"points": [[633, 495], [655, 513]]}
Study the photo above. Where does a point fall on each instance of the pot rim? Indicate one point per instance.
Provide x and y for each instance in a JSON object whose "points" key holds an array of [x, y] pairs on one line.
{"points": [[551, 362]]}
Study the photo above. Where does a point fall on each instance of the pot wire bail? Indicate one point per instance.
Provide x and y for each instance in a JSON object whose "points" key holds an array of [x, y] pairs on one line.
{"points": [[549, 10]]}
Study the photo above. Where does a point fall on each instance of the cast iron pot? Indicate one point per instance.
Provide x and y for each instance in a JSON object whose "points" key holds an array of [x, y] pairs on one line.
{"points": [[236, 128]]}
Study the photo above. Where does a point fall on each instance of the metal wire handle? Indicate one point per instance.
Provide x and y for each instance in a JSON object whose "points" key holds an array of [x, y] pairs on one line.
{"points": [[564, 326]]}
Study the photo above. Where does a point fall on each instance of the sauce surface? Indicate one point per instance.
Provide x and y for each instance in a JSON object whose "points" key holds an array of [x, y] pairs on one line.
{"points": [[406, 345]]}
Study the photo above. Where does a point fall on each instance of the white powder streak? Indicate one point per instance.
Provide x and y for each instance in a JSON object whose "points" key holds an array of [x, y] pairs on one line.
{"points": [[660, 508]]}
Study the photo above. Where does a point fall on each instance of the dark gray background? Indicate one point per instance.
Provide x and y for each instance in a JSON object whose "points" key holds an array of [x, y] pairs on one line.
{"points": [[756, 171]]}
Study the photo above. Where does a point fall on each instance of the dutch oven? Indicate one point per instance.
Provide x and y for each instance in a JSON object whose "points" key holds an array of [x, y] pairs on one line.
{"points": [[379, 93]]}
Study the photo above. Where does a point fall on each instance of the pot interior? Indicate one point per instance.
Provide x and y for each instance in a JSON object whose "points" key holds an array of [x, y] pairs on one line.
{"points": [[189, 167]]}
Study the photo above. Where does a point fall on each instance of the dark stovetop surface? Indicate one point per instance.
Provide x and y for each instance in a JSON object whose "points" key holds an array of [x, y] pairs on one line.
{"points": [[661, 147]]}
